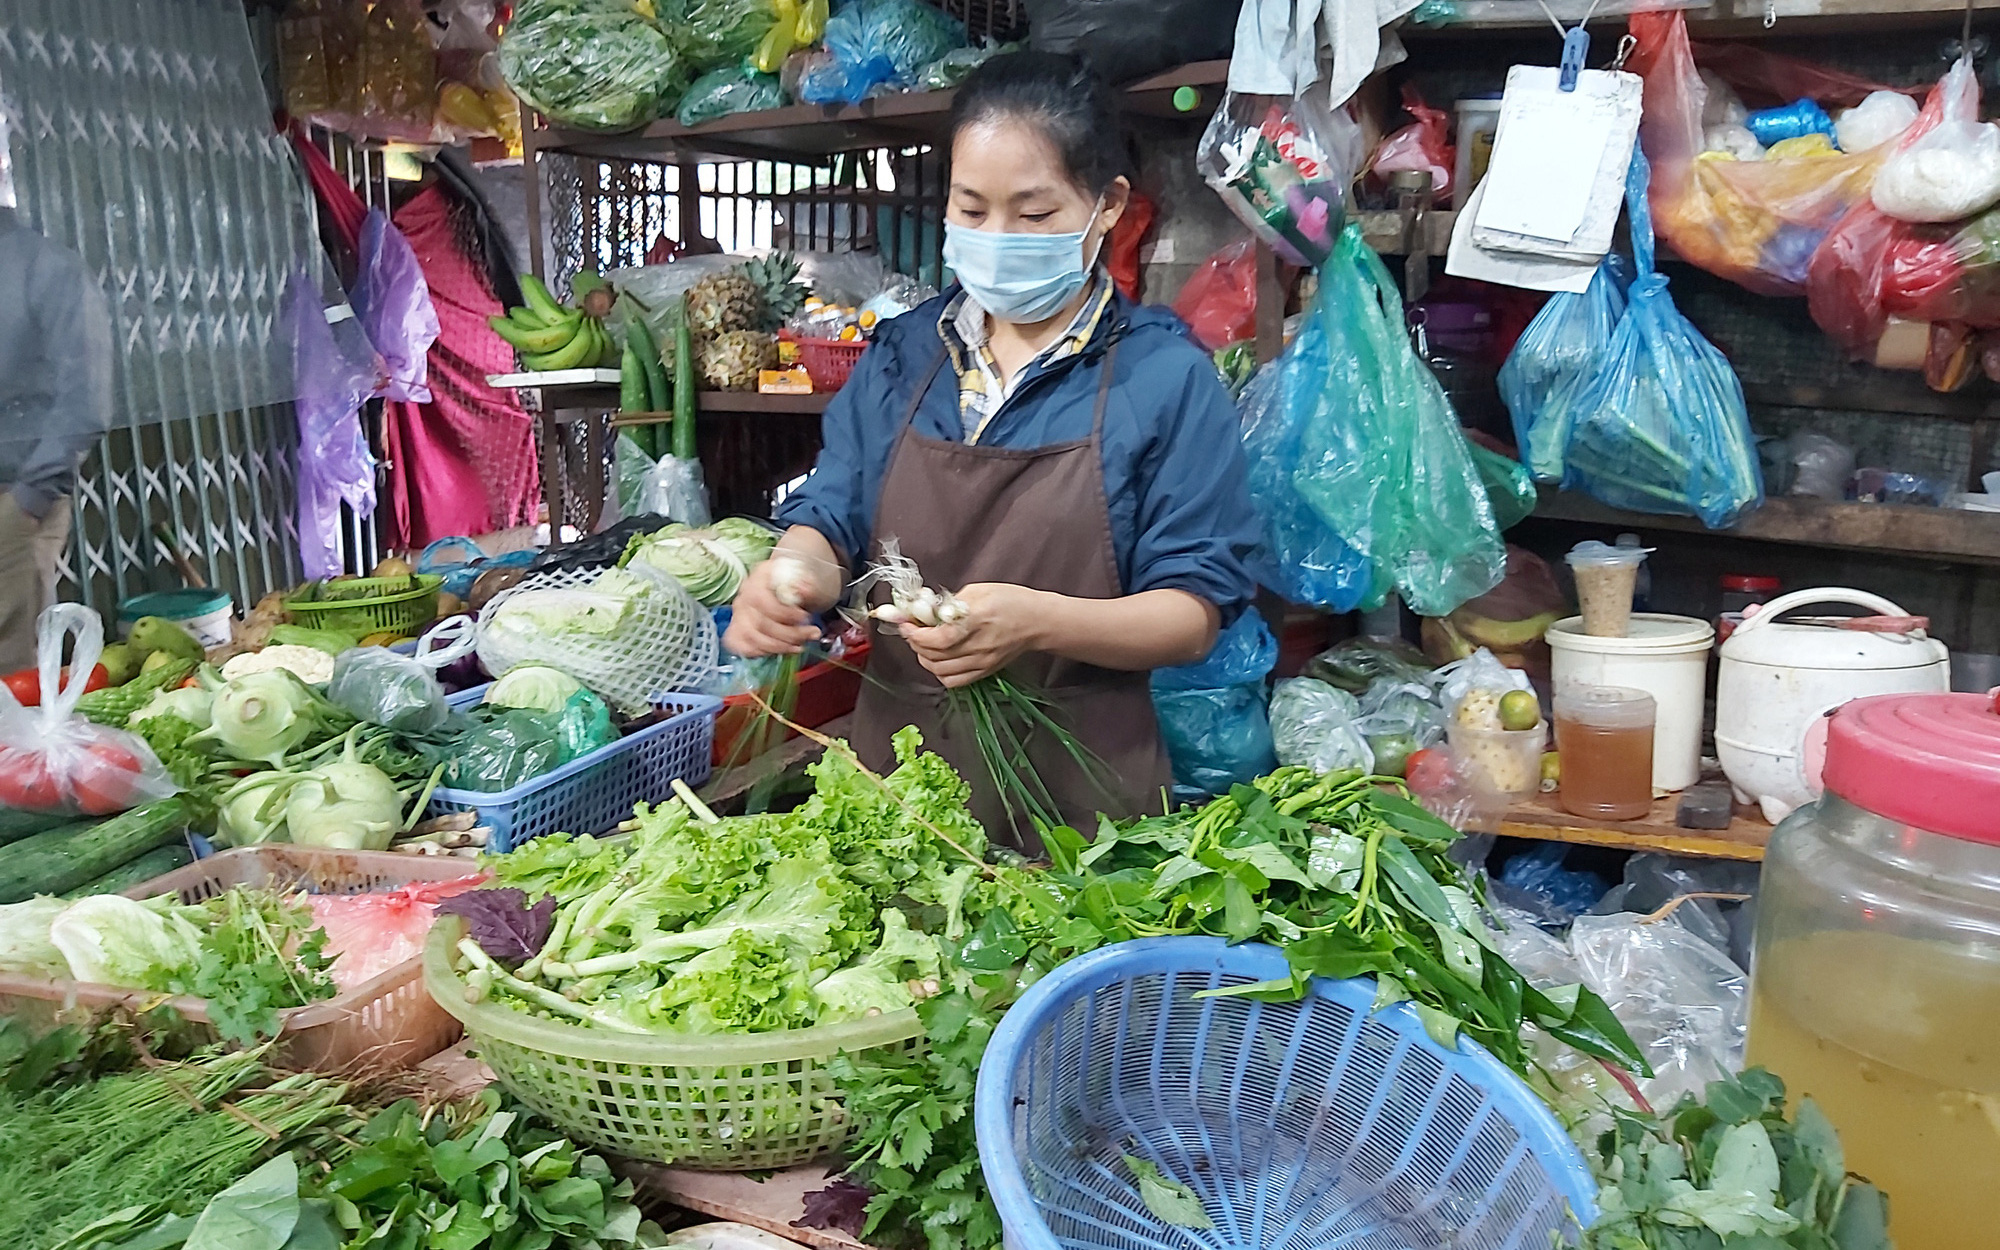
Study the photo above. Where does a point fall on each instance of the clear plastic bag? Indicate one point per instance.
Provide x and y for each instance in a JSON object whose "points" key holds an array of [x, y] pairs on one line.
{"points": [[712, 34], [1358, 665], [1883, 116], [1382, 459], [1282, 167], [1755, 223], [334, 375], [1219, 299], [1553, 359], [1309, 562], [1313, 725], [1823, 466], [1684, 1002], [874, 44], [1510, 489], [376, 685], [592, 64], [1398, 720], [1950, 173], [730, 89], [1662, 425], [51, 759]]}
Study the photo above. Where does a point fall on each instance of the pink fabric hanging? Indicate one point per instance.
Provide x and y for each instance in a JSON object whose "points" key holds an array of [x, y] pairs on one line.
{"points": [[465, 462]]}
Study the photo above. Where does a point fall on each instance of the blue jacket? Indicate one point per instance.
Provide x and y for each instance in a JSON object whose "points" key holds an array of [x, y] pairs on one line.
{"points": [[1181, 516]]}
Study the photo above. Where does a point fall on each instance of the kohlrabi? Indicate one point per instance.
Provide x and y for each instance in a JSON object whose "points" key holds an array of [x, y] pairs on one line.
{"points": [[265, 716]]}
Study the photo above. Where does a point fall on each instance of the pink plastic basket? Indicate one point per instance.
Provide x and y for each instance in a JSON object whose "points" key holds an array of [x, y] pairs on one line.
{"points": [[830, 362]]}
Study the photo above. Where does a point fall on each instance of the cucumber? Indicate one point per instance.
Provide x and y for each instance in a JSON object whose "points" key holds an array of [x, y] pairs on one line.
{"points": [[684, 393], [154, 863], [59, 860], [15, 825]]}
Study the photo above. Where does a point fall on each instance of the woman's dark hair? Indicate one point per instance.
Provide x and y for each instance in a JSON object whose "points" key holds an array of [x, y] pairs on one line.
{"points": [[1058, 95]]}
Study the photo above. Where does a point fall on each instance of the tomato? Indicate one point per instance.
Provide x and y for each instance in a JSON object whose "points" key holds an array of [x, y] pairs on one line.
{"points": [[26, 686], [26, 783], [105, 779], [1428, 772]]}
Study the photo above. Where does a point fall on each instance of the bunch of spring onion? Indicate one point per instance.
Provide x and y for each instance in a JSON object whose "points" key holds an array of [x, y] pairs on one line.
{"points": [[1006, 715]]}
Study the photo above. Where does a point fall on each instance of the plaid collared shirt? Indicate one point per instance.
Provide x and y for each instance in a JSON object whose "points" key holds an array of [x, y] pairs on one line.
{"points": [[981, 391]]}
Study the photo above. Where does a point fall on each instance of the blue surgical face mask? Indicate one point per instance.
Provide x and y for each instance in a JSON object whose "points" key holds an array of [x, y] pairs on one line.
{"points": [[1022, 278]]}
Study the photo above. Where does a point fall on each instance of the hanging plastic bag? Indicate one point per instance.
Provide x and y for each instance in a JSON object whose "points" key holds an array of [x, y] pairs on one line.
{"points": [[1755, 223], [334, 375], [1509, 488], [1873, 267], [1553, 359], [51, 759], [731, 89], [592, 64], [1212, 713], [1951, 173], [1422, 146], [1282, 167], [392, 301], [872, 44], [1308, 561], [1313, 726], [1662, 426], [1883, 116], [1382, 458], [1219, 299]]}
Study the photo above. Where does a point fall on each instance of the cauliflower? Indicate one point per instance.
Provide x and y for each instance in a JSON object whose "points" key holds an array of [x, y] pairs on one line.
{"points": [[308, 664]]}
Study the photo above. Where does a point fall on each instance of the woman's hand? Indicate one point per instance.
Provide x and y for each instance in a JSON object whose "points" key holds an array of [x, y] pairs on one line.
{"points": [[761, 625], [1001, 621]]}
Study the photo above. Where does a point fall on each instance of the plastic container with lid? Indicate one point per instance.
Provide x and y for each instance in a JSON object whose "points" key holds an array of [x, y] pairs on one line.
{"points": [[1605, 735], [1739, 591], [1877, 986], [1665, 656], [1606, 578], [202, 612]]}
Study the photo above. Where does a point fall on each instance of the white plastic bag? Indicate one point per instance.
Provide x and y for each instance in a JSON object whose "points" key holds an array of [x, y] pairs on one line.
{"points": [[1883, 116], [1950, 174], [1313, 724], [1733, 139], [51, 759]]}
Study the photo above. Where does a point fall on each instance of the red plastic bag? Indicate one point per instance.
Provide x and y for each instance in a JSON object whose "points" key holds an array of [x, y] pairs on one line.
{"points": [[1219, 302], [51, 759], [1849, 286], [1756, 223], [1423, 144]]}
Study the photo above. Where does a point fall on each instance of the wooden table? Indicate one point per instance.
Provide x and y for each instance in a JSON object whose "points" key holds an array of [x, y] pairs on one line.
{"points": [[1542, 818]]}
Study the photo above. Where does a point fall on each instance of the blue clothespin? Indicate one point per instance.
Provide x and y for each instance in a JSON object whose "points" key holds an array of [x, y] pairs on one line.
{"points": [[1576, 46]]}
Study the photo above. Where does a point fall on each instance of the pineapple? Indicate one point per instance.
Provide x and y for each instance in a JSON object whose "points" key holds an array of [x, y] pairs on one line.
{"points": [[778, 286], [724, 302], [731, 361]]}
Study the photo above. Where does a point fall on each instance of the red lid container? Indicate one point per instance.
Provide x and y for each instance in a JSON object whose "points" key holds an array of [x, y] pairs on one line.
{"points": [[1927, 760], [1750, 583]]}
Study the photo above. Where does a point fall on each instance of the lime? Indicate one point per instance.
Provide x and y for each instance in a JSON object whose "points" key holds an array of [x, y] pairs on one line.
{"points": [[1518, 710]]}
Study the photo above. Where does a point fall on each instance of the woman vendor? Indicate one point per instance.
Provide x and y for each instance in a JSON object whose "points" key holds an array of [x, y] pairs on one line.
{"points": [[1064, 460]]}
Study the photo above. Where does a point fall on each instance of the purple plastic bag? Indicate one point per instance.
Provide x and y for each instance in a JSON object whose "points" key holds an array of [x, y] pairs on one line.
{"points": [[393, 303], [334, 463]]}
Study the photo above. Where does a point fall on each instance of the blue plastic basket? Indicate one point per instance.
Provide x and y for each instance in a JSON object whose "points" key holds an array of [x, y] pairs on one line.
{"points": [[594, 792], [1301, 1126]]}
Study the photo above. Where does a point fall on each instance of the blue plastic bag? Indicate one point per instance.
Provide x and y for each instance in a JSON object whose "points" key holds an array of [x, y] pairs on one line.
{"points": [[1381, 457], [1556, 355], [1212, 715], [873, 43], [1304, 557], [1661, 426]]}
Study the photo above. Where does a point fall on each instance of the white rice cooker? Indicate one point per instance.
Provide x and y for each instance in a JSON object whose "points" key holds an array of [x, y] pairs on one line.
{"points": [[1779, 678]]}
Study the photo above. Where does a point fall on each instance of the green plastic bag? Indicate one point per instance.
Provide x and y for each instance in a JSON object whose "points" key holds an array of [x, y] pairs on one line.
{"points": [[1382, 458], [1509, 486], [712, 33], [731, 89], [503, 747]]}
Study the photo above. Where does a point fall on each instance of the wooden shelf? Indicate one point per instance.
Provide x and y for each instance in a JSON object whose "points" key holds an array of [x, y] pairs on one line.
{"points": [[584, 389], [1952, 535], [812, 130], [1734, 19], [1542, 819]]}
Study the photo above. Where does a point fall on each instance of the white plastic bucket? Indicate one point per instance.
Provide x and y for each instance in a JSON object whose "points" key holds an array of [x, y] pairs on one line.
{"points": [[1665, 656]]}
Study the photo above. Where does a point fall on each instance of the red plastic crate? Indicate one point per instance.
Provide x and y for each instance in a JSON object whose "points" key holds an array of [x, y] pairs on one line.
{"points": [[830, 362], [827, 692]]}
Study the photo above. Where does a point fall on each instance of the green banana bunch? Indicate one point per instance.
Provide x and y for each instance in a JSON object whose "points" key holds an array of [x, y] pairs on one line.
{"points": [[549, 336]]}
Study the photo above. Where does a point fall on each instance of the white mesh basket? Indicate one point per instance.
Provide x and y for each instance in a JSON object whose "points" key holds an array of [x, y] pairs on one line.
{"points": [[666, 643]]}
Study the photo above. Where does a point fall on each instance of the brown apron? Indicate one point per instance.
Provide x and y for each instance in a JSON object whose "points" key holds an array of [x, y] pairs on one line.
{"points": [[1037, 518]]}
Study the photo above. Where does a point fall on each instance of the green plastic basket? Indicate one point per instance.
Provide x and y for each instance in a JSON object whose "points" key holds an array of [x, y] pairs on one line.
{"points": [[713, 1102], [398, 608]]}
